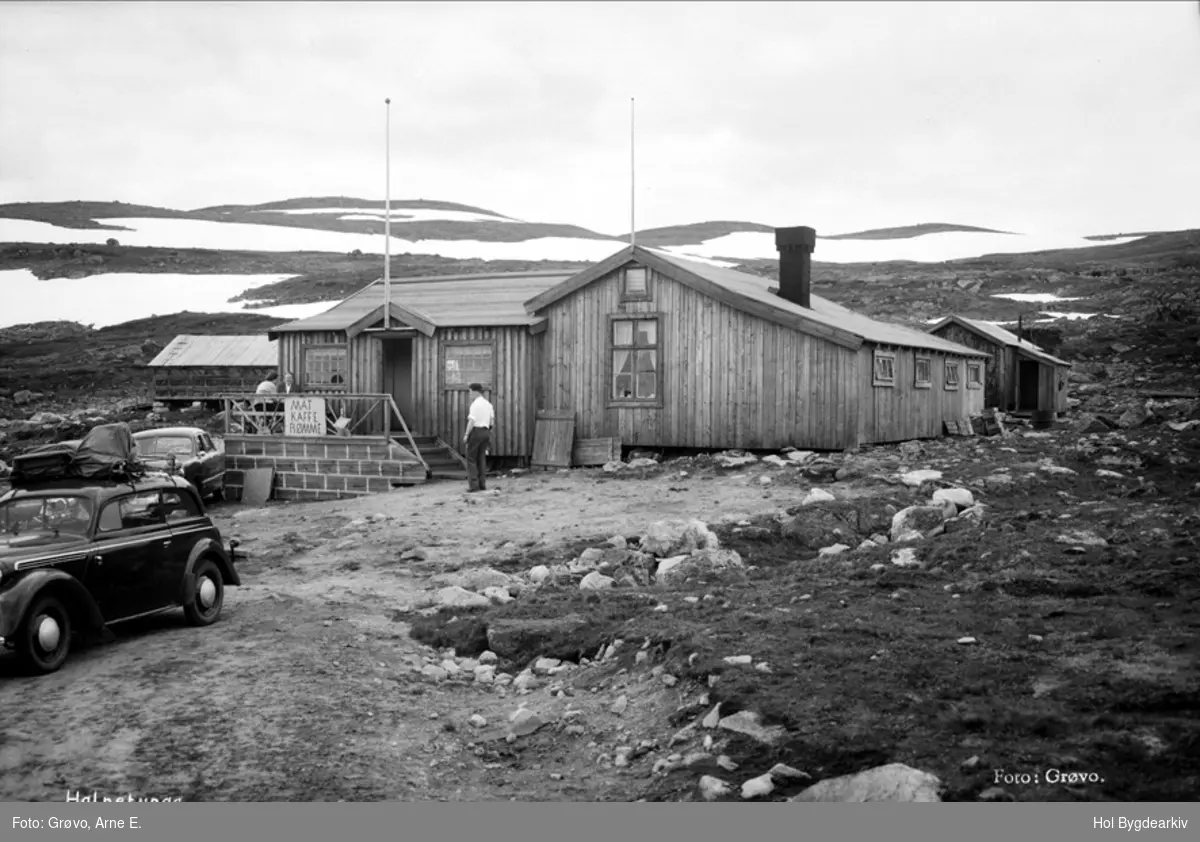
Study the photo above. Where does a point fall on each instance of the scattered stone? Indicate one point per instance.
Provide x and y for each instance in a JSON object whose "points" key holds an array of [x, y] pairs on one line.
{"points": [[671, 538], [894, 782], [777, 461], [485, 674], [817, 495], [498, 595], [596, 581], [704, 562], [457, 597], [727, 763], [916, 478], [618, 542], [1081, 538], [759, 787], [960, 497], [967, 641], [488, 657], [783, 772], [800, 455], [749, 724], [971, 763], [916, 522], [738, 660], [525, 722], [477, 721], [619, 706], [995, 793], [434, 672], [713, 718], [835, 549], [539, 574], [905, 557], [1109, 474], [544, 665]]}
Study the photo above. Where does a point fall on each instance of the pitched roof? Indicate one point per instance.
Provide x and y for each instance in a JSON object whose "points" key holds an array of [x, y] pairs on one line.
{"points": [[255, 351], [750, 294], [491, 300], [1000, 336]]}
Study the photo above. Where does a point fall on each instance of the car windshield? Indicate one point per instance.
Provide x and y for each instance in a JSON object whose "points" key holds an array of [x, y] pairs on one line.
{"points": [[68, 514], [165, 446]]}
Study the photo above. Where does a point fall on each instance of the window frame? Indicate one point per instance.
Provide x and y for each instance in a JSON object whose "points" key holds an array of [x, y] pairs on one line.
{"points": [[488, 385], [325, 387], [974, 365], [611, 348], [918, 383], [646, 294], [877, 357], [952, 365]]}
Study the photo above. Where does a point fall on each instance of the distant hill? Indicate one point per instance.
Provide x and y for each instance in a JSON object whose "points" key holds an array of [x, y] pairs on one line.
{"points": [[696, 232], [903, 232]]}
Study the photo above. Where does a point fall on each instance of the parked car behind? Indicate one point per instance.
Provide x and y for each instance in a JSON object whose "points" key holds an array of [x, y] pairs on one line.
{"points": [[188, 451]]}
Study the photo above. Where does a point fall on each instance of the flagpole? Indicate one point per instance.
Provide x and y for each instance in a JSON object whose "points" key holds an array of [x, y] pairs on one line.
{"points": [[387, 221], [632, 177]]}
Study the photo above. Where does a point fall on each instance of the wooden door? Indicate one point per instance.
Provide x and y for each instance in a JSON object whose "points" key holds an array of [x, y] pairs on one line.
{"points": [[398, 378]]}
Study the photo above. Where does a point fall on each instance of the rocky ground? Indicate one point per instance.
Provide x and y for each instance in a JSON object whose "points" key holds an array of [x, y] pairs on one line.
{"points": [[713, 627]]}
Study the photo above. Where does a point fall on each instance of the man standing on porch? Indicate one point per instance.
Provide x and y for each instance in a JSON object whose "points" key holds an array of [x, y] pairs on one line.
{"points": [[480, 418]]}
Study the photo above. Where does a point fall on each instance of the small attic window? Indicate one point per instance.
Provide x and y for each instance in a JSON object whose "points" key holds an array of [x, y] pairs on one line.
{"points": [[635, 283]]}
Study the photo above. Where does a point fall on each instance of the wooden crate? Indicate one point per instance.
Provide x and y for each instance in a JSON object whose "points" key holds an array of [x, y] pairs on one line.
{"points": [[591, 452], [553, 435], [959, 428]]}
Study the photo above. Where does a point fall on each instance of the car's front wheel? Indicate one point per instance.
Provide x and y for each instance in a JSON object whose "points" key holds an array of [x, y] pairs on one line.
{"points": [[207, 597], [45, 638]]}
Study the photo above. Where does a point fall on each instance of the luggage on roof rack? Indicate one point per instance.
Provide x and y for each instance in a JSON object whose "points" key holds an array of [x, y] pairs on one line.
{"points": [[107, 452]]}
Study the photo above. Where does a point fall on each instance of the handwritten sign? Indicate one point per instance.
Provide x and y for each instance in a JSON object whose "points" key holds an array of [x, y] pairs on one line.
{"points": [[304, 417]]}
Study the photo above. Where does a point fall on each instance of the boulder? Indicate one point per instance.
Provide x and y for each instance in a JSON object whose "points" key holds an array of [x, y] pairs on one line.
{"points": [[477, 579], [511, 638], [917, 478], [918, 522], [702, 564], [749, 724], [596, 581], [961, 498], [894, 782], [822, 523], [1133, 417], [677, 537], [817, 496], [456, 597], [713, 789], [22, 397]]}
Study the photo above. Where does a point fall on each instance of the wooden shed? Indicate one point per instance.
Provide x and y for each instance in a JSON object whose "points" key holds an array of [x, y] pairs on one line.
{"points": [[1022, 377], [662, 351], [445, 333], [204, 368]]}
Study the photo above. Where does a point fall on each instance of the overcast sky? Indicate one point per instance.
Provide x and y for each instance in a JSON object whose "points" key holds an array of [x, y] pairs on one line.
{"points": [[1040, 116]]}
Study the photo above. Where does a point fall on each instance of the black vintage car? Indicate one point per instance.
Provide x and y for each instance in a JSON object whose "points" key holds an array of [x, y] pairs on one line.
{"points": [[187, 451], [80, 553]]}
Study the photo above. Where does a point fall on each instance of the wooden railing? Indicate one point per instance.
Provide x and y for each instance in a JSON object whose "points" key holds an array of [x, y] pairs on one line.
{"points": [[343, 414]]}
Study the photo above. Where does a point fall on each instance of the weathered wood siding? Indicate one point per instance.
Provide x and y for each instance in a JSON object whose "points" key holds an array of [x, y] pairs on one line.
{"points": [[999, 382], [439, 411], [443, 412], [198, 383], [903, 411], [728, 379]]}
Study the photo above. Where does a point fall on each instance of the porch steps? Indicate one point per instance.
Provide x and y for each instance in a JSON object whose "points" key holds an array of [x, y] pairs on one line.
{"points": [[442, 462]]}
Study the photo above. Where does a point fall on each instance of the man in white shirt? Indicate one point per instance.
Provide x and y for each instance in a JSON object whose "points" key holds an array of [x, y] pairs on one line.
{"points": [[481, 418], [268, 387]]}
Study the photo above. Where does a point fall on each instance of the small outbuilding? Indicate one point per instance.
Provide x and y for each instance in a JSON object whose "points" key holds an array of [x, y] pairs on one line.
{"points": [[206, 367], [1023, 378]]}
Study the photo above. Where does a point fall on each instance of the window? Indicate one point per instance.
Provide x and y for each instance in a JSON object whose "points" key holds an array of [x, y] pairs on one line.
{"points": [[951, 375], [974, 375], [923, 373], [885, 369], [179, 506], [635, 361], [206, 444], [635, 283], [132, 512], [469, 363], [69, 515], [325, 368]]}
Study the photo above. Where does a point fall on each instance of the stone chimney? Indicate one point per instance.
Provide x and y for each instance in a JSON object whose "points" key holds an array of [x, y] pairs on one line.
{"points": [[795, 263]]}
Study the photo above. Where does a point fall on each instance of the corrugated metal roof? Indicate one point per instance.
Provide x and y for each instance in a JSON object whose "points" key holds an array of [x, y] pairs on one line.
{"points": [[495, 299], [822, 311], [1001, 336], [255, 351]]}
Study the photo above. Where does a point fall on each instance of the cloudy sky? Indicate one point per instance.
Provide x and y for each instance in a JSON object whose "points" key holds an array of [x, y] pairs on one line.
{"points": [[1040, 116]]}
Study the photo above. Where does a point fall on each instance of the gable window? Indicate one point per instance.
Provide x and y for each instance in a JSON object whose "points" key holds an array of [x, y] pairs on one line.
{"points": [[951, 375], [635, 283], [466, 363], [326, 368], [923, 373], [635, 359], [974, 375], [885, 369]]}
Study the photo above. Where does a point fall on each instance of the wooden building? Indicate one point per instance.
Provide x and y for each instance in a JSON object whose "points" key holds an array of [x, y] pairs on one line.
{"points": [[1022, 377], [661, 351], [205, 368], [445, 333]]}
